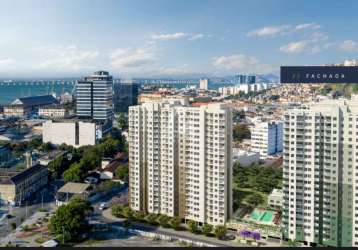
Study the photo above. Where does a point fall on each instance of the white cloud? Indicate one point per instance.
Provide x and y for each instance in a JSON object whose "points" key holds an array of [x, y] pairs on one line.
{"points": [[6, 62], [174, 36], [273, 31], [295, 47], [196, 36], [269, 31], [177, 35], [132, 58], [311, 45], [242, 63], [66, 58], [303, 26], [349, 46], [143, 61]]}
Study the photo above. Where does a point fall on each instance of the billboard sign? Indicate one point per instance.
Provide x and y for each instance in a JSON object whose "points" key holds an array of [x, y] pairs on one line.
{"points": [[319, 74]]}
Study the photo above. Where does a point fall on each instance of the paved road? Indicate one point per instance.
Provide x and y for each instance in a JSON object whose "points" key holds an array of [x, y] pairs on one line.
{"points": [[99, 217], [43, 199]]}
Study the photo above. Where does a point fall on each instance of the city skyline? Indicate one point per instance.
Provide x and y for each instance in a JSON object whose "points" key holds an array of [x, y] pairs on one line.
{"points": [[177, 38]]}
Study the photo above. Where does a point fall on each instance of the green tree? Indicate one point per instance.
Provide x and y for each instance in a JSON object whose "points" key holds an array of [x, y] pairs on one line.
{"points": [[175, 222], [163, 220], [122, 121], [109, 147], [91, 159], [35, 143], [71, 219], [220, 231], [139, 215], [46, 147], [152, 219], [206, 229], [122, 173], [13, 225], [193, 226], [117, 210], [58, 166], [241, 132], [292, 243], [127, 212], [74, 174], [254, 199]]}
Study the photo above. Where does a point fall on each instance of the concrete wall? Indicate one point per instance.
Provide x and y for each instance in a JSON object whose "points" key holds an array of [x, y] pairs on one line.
{"points": [[59, 132], [7, 193]]}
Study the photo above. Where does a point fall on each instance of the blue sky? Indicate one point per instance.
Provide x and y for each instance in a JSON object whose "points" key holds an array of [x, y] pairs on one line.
{"points": [[134, 38]]}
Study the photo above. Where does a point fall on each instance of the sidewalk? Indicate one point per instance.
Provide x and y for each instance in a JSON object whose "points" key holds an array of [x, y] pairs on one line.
{"points": [[182, 234], [29, 221]]}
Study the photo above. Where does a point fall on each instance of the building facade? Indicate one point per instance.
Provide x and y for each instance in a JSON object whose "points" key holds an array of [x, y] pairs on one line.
{"points": [[266, 138], [16, 189], [71, 132], [275, 198], [94, 97], [53, 111], [320, 183], [125, 95], [204, 84], [5, 156], [24, 106], [180, 160]]}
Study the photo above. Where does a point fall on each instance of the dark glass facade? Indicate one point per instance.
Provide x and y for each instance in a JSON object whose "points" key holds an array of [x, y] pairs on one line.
{"points": [[125, 95]]}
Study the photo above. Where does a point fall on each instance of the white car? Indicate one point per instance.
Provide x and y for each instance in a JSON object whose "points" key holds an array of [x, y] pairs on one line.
{"points": [[102, 206]]}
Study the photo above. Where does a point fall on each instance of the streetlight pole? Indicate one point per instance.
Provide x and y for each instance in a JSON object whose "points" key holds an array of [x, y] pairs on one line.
{"points": [[26, 210], [42, 199], [63, 235]]}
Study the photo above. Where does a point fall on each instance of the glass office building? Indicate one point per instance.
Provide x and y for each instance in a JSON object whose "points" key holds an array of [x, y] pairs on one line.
{"points": [[94, 97]]}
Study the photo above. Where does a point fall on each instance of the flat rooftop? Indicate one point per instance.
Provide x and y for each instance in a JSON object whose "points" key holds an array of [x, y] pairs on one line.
{"points": [[74, 188]]}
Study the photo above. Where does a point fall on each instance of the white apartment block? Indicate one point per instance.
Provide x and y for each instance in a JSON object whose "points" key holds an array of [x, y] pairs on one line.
{"points": [[180, 160], [266, 138], [320, 164], [204, 84], [71, 132], [243, 88]]}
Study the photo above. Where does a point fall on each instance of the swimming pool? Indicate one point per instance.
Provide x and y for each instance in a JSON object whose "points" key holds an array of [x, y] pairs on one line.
{"points": [[264, 216]]}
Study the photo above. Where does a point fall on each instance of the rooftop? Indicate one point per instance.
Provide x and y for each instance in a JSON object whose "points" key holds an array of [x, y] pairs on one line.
{"points": [[276, 192], [16, 177], [35, 100], [74, 188]]}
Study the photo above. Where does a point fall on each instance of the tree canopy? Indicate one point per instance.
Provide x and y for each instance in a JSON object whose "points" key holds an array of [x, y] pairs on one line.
{"points": [[241, 132], [261, 178], [70, 219]]}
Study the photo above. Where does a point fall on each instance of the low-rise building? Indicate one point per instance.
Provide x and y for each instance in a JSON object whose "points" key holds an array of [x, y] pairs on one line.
{"points": [[107, 172], [53, 111], [71, 189], [275, 199], [26, 105], [46, 159], [245, 158], [17, 187]]}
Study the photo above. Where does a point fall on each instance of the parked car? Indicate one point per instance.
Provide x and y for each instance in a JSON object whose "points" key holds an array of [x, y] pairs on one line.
{"points": [[103, 206]]}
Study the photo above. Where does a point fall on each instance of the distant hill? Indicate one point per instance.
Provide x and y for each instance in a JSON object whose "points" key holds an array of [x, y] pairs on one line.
{"points": [[267, 78]]}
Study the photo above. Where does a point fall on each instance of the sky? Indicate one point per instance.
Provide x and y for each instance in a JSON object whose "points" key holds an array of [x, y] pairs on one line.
{"points": [[150, 38]]}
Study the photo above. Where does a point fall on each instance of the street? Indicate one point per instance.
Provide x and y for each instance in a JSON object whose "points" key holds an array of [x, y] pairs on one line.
{"points": [[44, 199]]}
